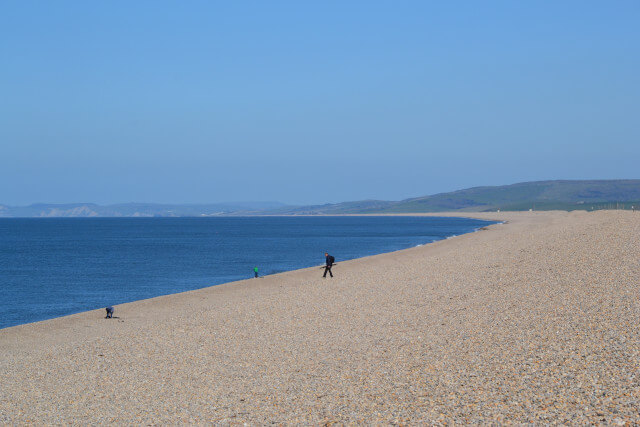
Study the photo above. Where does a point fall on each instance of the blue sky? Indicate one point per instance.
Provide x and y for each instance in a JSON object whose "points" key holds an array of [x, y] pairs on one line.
{"points": [[311, 102]]}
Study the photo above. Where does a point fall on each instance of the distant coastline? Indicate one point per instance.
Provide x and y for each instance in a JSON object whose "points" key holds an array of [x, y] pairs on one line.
{"points": [[586, 195]]}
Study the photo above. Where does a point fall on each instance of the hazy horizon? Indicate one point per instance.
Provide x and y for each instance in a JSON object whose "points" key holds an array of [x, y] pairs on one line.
{"points": [[311, 103]]}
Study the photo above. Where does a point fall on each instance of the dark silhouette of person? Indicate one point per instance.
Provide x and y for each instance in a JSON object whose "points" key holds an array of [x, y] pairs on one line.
{"points": [[109, 312], [329, 263]]}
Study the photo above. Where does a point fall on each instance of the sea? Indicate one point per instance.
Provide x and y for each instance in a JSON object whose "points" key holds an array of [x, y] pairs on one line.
{"points": [[51, 267]]}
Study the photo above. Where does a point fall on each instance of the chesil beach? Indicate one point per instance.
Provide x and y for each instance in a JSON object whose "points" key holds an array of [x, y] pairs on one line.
{"points": [[471, 166], [534, 320]]}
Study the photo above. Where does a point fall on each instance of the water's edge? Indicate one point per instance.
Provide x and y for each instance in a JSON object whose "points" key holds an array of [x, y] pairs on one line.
{"points": [[488, 223]]}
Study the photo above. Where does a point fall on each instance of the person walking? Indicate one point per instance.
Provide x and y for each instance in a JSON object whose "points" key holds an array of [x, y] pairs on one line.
{"points": [[329, 263], [255, 270]]}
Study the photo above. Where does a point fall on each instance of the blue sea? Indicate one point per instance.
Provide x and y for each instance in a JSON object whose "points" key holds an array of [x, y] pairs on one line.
{"points": [[52, 267]]}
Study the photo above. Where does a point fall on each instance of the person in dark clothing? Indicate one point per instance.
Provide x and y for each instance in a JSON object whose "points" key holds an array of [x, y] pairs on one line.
{"points": [[329, 263], [109, 312]]}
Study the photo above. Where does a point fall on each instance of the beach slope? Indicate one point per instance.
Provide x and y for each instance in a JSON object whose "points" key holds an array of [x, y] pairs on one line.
{"points": [[535, 320]]}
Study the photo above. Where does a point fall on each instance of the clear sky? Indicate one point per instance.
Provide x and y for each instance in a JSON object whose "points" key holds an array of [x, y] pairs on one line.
{"points": [[312, 102]]}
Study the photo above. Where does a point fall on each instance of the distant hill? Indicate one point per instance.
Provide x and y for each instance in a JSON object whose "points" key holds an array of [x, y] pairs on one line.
{"points": [[363, 206], [42, 210], [539, 195]]}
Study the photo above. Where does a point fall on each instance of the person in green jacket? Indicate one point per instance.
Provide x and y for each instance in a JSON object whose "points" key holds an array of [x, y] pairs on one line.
{"points": [[255, 270]]}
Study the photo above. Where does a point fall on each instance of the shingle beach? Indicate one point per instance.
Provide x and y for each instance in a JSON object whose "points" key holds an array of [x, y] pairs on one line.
{"points": [[536, 320]]}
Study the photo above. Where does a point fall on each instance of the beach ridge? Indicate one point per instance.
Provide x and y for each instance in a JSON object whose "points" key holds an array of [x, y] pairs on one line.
{"points": [[532, 320]]}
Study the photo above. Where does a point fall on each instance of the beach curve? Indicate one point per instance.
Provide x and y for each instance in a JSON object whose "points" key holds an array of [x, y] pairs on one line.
{"points": [[530, 321]]}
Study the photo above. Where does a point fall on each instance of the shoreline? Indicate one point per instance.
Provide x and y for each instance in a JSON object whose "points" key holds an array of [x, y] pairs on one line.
{"points": [[532, 321], [242, 280]]}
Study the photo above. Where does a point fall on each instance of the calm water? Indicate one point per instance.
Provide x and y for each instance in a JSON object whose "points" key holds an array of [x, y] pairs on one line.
{"points": [[55, 267]]}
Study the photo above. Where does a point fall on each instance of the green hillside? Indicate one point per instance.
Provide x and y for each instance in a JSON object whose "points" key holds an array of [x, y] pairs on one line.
{"points": [[539, 195]]}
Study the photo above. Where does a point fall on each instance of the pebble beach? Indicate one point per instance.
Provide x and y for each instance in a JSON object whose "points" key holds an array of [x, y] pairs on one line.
{"points": [[534, 320]]}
